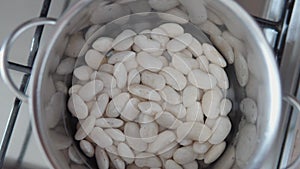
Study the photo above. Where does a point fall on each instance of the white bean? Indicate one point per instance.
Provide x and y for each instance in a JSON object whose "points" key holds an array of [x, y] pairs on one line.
{"points": [[210, 122], [195, 48], [146, 32], [133, 138], [77, 107], [90, 90], [249, 108], [130, 111], [115, 134], [103, 44], [131, 64], [196, 10], [235, 43], [91, 30], [121, 57], [201, 148], [107, 12], [214, 153], [124, 40], [179, 111], [87, 148], [214, 18], [170, 164], [107, 68], [99, 137], [174, 78], [241, 69], [224, 48], [86, 128], [100, 105], [220, 130], [183, 63], [83, 73], [109, 123], [149, 132], [73, 155], [220, 74], [179, 43], [138, 6], [210, 28], [246, 144], [101, 158], [145, 44], [184, 155], [93, 59], [203, 63], [126, 153], [225, 107], [153, 80], [144, 92], [160, 35], [168, 151], [120, 74], [184, 18], [116, 105], [108, 80], [163, 5], [115, 159], [172, 29], [174, 15], [75, 44], [150, 108], [186, 142], [194, 130], [227, 160], [213, 55], [167, 120], [162, 140], [195, 113], [143, 119], [149, 62], [201, 79], [170, 95], [112, 92], [191, 165], [190, 95], [211, 103], [187, 53], [74, 89], [134, 77], [60, 140], [66, 66], [133, 166], [147, 160], [55, 109]]}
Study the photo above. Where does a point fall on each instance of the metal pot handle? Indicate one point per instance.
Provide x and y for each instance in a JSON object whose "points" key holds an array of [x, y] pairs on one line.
{"points": [[296, 104], [5, 49]]}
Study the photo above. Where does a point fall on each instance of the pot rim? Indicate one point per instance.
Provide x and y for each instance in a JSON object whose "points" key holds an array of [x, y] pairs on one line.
{"points": [[272, 125]]}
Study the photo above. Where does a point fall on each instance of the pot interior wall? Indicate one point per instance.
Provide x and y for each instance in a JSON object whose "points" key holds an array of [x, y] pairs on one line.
{"points": [[259, 88]]}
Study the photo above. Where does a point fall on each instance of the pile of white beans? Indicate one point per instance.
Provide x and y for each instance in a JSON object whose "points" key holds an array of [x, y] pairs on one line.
{"points": [[155, 99]]}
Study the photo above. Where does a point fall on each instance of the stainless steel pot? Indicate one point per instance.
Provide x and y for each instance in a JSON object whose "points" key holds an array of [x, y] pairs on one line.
{"points": [[264, 87]]}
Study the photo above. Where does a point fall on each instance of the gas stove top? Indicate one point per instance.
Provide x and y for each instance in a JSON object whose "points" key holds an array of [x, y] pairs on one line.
{"points": [[280, 23]]}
